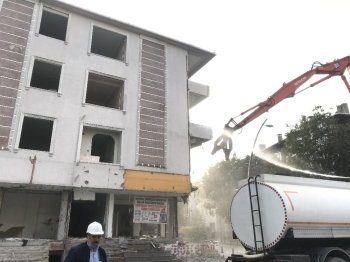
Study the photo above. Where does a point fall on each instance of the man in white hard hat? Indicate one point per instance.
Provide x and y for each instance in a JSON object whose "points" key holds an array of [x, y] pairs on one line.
{"points": [[89, 251]]}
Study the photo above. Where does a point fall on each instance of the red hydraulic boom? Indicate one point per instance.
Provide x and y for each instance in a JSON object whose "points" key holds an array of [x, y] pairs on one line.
{"points": [[335, 68]]}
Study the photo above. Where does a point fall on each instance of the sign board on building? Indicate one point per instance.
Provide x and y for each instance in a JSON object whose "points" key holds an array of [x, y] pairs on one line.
{"points": [[150, 210]]}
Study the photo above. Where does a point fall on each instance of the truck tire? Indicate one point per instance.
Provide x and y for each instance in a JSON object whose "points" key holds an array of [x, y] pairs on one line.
{"points": [[334, 259]]}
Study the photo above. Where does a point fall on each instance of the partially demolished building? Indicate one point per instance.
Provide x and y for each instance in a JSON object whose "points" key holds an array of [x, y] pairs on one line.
{"points": [[94, 122]]}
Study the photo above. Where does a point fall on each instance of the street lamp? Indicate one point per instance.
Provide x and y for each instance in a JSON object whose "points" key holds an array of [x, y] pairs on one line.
{"points": [[252, 153]]}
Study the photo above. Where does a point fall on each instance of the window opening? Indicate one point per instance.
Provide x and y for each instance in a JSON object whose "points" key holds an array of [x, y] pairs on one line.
{"points": [[36, 134], [46, 75], [123, 220], [54, 25], [85, 212], [105, 91], [103, 146], [30, 214], [108, 43]]}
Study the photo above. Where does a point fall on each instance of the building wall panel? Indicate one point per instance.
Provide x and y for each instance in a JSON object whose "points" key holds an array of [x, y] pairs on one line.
{"points": [[158, 161], [11, 65], [152, 63], [153, 50], [152, 91], [16, 14], [8, 82], [4, 140], [10, 47], [13, 30], [10, 55], [153, 44], [154, 98], [34, 214], [159, 182], [154, 84], [153, 128], [153, 105], [155, 152], [151, 135], [6, 111], [4, 130], [150, 112], [13, 38], [153, 70], [153, 57], [153, 77], [11, 21], [7, 101], [152, 120], [22, 3], [15, 21], [6, 121], [20, 7], [10, 92], [151, 143], [8, 71]]}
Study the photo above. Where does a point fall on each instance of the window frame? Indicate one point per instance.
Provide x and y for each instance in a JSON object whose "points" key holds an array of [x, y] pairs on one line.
{"points": [[114, 30], [54, 10], [108, 128], [30, 74], [19, 132], [87, 72]]}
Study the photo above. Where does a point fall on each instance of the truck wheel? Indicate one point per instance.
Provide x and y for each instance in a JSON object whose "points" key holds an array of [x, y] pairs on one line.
{"points": [[334, 259]]}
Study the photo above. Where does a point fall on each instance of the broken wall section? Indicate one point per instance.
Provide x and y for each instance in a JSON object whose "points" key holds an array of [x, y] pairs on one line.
{"points": [[29, 214], [100, 146], [24, 250]]}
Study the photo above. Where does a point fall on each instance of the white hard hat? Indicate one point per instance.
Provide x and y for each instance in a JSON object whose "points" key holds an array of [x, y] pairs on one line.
{"points": [[95, 228]]}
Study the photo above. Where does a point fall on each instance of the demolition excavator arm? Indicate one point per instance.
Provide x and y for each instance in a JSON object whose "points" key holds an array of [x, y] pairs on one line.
{"points": [[336, 68]]}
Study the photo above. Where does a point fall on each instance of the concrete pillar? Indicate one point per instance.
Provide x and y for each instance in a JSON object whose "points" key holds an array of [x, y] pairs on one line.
{"points": [[162, 230], [172, 216], [136, 229], [109, 216], [63, 223], [176, 222]]}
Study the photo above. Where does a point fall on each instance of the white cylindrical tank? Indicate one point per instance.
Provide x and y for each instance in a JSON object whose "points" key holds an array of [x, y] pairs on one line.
{"points": [[314, 208]]}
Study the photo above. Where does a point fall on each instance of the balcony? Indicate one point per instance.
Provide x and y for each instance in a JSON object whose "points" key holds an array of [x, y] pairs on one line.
{"points": [[199, 134], [197, 93]]}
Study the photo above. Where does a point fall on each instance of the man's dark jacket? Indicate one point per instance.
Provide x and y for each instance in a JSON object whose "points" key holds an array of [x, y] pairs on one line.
{"points": [[81, 253]]}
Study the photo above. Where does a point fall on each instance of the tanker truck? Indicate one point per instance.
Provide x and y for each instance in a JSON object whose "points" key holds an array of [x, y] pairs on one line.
{"points": [[285, 218]]}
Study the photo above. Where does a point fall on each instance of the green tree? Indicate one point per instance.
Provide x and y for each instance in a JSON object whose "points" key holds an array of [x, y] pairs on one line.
{"points": [[219, 184], [319, 144], [183, 214], [221, 180]]}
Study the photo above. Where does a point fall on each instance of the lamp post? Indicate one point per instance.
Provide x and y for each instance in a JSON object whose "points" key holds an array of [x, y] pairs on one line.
{"points": [[256, 138]]}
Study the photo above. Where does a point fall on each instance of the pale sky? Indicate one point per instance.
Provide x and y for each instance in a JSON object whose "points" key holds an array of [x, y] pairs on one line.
{"points": [[259, 46]]}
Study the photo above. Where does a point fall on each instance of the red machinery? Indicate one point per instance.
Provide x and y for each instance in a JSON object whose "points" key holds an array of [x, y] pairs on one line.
{"points": [[335, 68]]}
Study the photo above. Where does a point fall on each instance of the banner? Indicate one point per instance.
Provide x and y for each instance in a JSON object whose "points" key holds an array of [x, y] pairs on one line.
{"points": [[150, 210]]}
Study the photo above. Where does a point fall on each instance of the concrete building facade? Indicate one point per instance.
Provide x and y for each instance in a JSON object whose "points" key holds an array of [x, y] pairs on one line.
{"points": [[93, 112]]}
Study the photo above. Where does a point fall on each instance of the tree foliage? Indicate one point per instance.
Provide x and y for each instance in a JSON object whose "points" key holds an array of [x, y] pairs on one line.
{"points": [[319, 144], [192, 229], [220, 181], [197, 232]]}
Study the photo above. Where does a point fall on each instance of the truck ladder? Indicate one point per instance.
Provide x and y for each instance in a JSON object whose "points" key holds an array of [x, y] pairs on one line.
{"points": [[253, 180]]}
